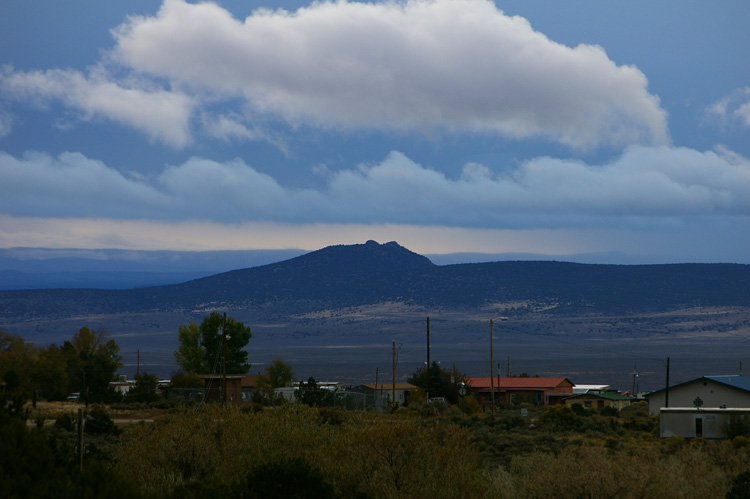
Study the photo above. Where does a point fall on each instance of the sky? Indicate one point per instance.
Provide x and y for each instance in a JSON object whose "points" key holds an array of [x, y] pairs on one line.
{"points": [[522, 126]]}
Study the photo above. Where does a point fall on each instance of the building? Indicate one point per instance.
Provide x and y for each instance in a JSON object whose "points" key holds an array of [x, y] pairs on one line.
{"points": [[599, 400], [383, 393], [526, 390], [706, 391], [692, 422], [250, 384], [577, 389], [288, 392], [213, 388], [122, 385]]}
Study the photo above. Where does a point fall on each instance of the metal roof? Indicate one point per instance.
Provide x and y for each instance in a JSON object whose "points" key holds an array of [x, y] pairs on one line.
{"points": [[519, 383], [603, 395], [735, 381]]}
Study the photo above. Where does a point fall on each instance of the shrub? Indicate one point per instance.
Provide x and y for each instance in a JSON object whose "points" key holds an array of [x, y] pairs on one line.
{"points": [[287, 478], [609, 411], [469, 405], [65, 421], [737, 425], [560, 417], [740, 487], [98, 422]]}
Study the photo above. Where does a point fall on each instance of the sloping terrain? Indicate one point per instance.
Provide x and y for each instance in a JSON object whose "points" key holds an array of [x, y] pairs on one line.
{"points": [[341, 277]]}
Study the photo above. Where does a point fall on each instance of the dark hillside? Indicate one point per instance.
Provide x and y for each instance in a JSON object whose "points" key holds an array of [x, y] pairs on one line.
{"points": [[350, 276]]}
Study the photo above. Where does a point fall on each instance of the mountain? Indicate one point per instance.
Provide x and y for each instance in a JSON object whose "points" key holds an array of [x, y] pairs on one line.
{"points": [[340, 277], [339, 311]]}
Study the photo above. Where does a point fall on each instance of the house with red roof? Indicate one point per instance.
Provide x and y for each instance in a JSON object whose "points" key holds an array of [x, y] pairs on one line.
{"points": [[521, 390]]}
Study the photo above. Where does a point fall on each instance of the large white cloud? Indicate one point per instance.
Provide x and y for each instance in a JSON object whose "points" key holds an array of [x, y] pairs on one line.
{"points": [[414, 65], [644, 186], [161, 114]]}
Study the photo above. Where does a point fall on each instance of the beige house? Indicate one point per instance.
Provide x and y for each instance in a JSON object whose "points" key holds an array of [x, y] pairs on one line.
{"points": [[599, 400], [707, 391]]}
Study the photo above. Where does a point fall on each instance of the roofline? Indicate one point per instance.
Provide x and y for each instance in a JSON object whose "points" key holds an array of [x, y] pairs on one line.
{"points": [[709, 378], [600, 395], [499, 385]]}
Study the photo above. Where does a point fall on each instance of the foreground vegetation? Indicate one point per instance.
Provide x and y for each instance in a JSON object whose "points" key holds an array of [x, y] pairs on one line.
{"points": [[424, 450], [270, 448]]}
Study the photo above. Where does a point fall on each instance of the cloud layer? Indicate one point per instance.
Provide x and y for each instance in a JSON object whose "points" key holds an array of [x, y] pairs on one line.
{"points": [[419, 65], [644, 185], [162, 115]]}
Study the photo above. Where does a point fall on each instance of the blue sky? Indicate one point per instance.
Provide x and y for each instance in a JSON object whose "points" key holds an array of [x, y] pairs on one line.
{"points": [[524, 127]]}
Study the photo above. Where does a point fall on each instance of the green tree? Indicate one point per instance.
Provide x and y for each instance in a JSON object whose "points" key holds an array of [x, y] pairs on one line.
{"points": [[201, 348], [51, 375], [443, 382], [17, 361], [189, 355], [144, 389], [311, 394], [211, 340], [277, 374], [92, 361]]}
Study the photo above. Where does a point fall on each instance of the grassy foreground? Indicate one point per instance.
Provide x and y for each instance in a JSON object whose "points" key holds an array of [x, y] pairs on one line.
{"points": [[424, 451]]}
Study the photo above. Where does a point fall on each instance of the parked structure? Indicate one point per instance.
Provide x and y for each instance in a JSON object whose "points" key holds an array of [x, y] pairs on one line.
{"points": [[706, 391], [540, 391]]}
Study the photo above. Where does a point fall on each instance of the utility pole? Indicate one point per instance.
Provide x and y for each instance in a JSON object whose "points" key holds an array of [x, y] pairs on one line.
{"points": [[492, 367], [666, 391], [635, 375], [79, 440], [224, 362], [428, 359], [393, 396], [498, 377], [138, 365], [507, 368], [492, 373]]}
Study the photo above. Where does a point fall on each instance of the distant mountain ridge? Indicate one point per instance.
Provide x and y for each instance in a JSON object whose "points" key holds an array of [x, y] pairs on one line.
{"points": [[357, 275]]}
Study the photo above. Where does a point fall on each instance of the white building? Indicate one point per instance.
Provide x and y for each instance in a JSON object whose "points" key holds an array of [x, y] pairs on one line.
{"points": [[707, 391]]}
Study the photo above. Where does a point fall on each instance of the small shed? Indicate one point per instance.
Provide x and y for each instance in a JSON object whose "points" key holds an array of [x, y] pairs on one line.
{"points": [[213, 387]]}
